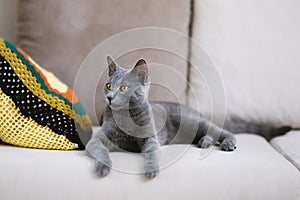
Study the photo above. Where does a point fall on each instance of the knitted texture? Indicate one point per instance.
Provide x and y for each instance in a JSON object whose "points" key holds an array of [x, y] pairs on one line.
{"points": [[37, 109]]}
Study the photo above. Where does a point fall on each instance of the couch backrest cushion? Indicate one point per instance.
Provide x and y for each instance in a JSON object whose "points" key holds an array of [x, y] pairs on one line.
{"points": [[8, 19], [59, 34], [255, 46]]}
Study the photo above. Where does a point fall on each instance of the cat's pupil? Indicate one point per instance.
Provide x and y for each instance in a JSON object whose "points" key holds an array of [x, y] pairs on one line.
{"points": [[124, 88], [108, 86]]}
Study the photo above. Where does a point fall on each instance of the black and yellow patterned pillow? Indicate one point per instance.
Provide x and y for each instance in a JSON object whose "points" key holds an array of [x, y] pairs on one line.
{"points": [[36, 109]]}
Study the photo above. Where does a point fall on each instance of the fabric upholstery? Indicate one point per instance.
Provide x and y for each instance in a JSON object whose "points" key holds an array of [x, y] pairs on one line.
{"points": [[254, 46], [59, 34], [37, 109], [255, 171], [8, 19], [288, 146]]}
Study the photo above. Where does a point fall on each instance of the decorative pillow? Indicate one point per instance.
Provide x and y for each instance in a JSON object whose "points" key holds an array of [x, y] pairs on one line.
{"points": [[36, 109]]}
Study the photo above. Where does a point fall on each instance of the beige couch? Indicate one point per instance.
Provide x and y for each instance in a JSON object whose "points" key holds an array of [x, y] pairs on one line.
{"points": [[247, 69]]}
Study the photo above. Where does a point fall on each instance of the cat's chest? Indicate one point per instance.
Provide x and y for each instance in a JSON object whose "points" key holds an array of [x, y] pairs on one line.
{"points": [[126, 123], [111, 128], [120, 127], [120, 138]]}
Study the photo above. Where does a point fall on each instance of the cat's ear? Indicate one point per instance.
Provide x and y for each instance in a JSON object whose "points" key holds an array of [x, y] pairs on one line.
{"points": [[141, 70], [112, 65]]}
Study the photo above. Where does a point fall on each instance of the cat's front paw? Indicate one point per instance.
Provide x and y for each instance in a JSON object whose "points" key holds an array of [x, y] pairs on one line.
{"points": [[151, 171], [228, 145], [102, 169], [152, 174]]}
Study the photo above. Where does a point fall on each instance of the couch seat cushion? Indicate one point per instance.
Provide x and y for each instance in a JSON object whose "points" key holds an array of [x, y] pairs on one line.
{"points": [[254, 171], [289, 146]]}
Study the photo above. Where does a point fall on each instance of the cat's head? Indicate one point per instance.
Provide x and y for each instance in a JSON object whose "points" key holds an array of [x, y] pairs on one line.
{"points": [[126, 86]]}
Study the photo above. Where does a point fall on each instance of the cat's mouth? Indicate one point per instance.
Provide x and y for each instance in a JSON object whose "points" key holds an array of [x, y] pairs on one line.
{"points": [[115, 106]]}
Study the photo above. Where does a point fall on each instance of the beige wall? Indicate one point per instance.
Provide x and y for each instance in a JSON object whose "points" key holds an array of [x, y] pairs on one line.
{"points": [[8, 16]]}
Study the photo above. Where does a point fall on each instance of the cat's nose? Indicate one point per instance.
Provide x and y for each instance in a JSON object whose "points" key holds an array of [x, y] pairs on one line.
{"points": [[109, 99]]}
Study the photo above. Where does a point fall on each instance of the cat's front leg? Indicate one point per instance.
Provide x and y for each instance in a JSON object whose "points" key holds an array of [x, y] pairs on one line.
{"points": [[151, 153], [97, 148]]}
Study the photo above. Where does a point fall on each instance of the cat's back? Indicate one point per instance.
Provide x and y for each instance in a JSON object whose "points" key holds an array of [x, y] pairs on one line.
{"points": [[169, 116], [172, 109]]}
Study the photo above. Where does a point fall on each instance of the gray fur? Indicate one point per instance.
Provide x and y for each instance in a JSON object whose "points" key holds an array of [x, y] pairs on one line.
{"points": [[131, 123], [267, 131]]}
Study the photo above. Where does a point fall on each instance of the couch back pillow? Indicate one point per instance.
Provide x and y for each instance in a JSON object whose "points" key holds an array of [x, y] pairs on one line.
{"points": [[59, 34], [254, 45]]}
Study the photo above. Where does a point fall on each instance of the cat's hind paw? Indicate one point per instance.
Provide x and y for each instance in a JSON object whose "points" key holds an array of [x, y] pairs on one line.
{"points": [[228, 145], [205, 142], [102, 169]]}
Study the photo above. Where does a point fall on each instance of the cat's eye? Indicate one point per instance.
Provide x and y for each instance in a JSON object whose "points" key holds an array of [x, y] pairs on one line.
{"points": [[108, 86], [123, 88]]}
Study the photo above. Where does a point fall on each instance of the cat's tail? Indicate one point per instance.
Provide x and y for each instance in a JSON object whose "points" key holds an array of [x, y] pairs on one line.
{"points": [[266, 131]]}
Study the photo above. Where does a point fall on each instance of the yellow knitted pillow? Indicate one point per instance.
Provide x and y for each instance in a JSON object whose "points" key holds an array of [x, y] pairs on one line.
{"points": [[36, 109]]}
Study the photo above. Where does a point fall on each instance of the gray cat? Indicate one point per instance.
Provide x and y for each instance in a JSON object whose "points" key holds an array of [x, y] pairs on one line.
{"points": [[131, 123]]}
